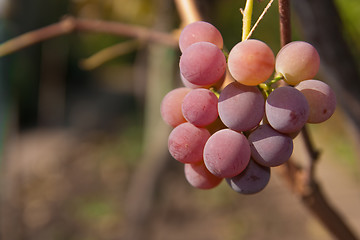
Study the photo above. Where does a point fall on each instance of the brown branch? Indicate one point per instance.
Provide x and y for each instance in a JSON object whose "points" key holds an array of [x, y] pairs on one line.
{"points": [[109, 53], [70, 24], [302, 180], [188, 11], [285, 25]]}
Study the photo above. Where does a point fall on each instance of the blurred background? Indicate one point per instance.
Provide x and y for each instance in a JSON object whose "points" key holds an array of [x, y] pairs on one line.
{"points": [[84, 149]]}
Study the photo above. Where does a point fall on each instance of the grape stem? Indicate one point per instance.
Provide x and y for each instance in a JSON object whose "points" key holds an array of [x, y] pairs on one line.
{"points": [[266, 88], [259, 19], [247, 13]]}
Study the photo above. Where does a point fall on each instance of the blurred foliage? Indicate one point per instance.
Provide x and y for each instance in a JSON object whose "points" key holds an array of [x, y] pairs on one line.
{"points": [[350, 13], [135, 11]]}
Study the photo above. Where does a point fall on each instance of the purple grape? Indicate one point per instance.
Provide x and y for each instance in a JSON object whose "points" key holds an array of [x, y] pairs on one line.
{"points": [[321, 99], [202, 63], [226, 153], [287, 109], [199, 107], [269, 147], [252, 180], [186, 143], [241, 107]]}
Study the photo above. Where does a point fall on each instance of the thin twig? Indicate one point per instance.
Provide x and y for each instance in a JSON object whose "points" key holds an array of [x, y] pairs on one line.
{"points": [[63, 27], [259, 19], [71, 24], [109, 53]]}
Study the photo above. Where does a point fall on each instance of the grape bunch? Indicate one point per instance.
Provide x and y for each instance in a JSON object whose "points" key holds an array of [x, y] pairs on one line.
{"points": [[237, 131]]}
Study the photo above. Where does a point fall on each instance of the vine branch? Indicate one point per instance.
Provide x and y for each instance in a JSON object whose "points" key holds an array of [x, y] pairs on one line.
{"points": [[188, 11], [302, 180], [70, 24], [285, 24]]}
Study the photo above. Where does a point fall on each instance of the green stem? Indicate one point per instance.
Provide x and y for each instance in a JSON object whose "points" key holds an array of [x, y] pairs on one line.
{"points": [[247, 19], [217, 94], [266, 88]]}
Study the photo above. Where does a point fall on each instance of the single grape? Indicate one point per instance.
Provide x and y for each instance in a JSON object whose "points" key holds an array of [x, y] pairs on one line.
{"points": [[287, 109], [269, 147], [199, 107], [226, 153], [170, 107], [321, 99], [202, 64], [241, 107], [216, 85], [199, 176], [251, 62], [297, 61], [186, 143], [199, 32], [252, 180], [188, 84]]}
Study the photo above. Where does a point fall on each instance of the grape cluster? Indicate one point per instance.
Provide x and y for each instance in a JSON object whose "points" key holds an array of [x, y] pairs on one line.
{"points": [[240, 130]]}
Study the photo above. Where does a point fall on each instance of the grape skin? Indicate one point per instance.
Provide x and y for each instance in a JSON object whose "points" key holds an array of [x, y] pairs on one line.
{"points": [[286, 109], [199, 176], [216, 85], [170, 108], [186, 143], [297, 61], [199, 107], [200, 32], [252, 180], [241, 107], [226, 153], [202, 64], [269, 147], [251, 62], [321, 99]]}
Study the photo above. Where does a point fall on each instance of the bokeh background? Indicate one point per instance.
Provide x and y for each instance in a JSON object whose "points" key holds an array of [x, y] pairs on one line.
{"points": [[84, 151]]}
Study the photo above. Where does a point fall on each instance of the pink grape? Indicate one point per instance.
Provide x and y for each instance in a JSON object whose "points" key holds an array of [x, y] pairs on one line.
{"points": [[321, 99], [199, 107], [297, 61], [269, 147], [216, 85], [287, 109], [226, 153], [199, 32], [252, 180], [170, 108], [199, 176], [241, 107], [202, 64], [188, 84], [251, 62], [186, 143]]}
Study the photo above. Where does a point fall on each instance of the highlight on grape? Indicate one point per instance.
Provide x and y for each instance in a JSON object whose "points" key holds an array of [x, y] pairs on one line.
{"points": [[238, 131]]}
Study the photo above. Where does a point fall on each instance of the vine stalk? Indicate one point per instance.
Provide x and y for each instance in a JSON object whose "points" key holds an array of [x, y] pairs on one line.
{"points": [[302, 179], [247, 14]]}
